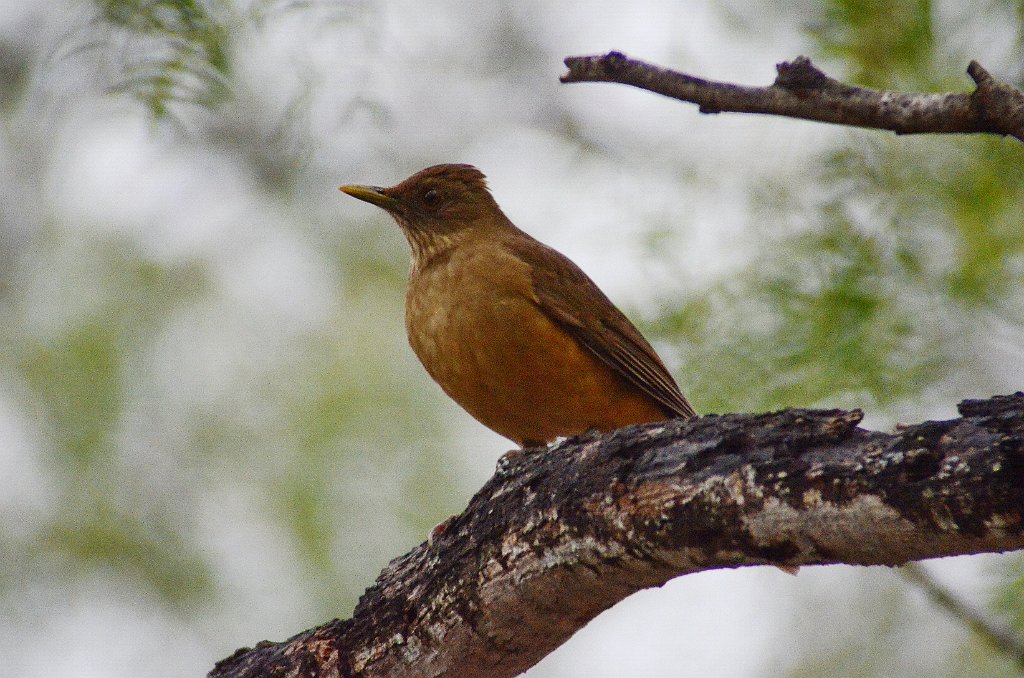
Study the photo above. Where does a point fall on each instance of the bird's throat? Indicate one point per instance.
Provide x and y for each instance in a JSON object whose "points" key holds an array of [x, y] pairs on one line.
{"points": [[428, 248]]}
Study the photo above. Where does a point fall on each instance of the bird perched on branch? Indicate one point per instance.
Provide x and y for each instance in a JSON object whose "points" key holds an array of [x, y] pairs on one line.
{"points": [[512, 330]]}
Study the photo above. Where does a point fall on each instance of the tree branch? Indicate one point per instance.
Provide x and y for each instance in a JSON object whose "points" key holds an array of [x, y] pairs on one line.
{"points": [[560, 534], [999, 637], [801, 90]]}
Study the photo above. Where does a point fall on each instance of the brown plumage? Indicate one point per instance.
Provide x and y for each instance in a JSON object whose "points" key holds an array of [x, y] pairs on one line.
{"points": [[512, 330]]}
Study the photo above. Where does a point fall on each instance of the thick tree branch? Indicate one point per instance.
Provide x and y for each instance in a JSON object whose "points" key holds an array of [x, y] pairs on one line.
{"points": [[803, 91], [560, 534]]}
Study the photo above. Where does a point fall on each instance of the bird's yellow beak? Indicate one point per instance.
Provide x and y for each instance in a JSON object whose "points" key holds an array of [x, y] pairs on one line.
{"points": [[371, 194]]}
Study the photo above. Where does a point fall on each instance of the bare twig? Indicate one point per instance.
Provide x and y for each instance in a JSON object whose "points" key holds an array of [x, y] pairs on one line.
{"points": [[1000, 638], [560, 534], [801, 90]]}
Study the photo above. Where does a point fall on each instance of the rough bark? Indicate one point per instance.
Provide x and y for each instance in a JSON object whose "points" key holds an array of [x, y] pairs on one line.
{"points": [[801, 90], [561, 533]]}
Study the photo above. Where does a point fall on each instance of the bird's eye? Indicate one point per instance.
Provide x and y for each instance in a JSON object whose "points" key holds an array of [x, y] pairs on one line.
{"points": [[431, 197]]}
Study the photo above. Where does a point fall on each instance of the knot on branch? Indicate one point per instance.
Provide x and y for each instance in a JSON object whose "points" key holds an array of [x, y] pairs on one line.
{"points": [[800, 74], [998, 107]]}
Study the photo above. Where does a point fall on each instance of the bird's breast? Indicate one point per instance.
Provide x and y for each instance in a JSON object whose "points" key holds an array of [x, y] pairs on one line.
{"points": [[475, 324], [463, 315]]}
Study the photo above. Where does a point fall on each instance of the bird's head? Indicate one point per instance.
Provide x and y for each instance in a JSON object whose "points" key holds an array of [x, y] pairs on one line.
{"points": [[436, 205]]}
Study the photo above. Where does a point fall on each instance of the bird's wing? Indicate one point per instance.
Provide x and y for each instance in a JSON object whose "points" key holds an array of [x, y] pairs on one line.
{"points": [[571, 299]]}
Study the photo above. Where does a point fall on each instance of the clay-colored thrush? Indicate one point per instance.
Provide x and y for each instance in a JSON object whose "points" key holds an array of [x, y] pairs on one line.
{"points": [[512, 330]]}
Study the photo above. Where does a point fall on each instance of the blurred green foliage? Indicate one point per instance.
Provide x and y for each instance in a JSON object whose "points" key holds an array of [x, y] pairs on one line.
{"points": [[1007, 598], [79, 382], [884, 44], [80, 377], [815, 320], [869, 299], [879, 634], [177, 50]]}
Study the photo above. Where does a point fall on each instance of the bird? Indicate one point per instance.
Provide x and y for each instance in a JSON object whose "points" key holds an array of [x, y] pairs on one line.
{"points": [[511, 329]]}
